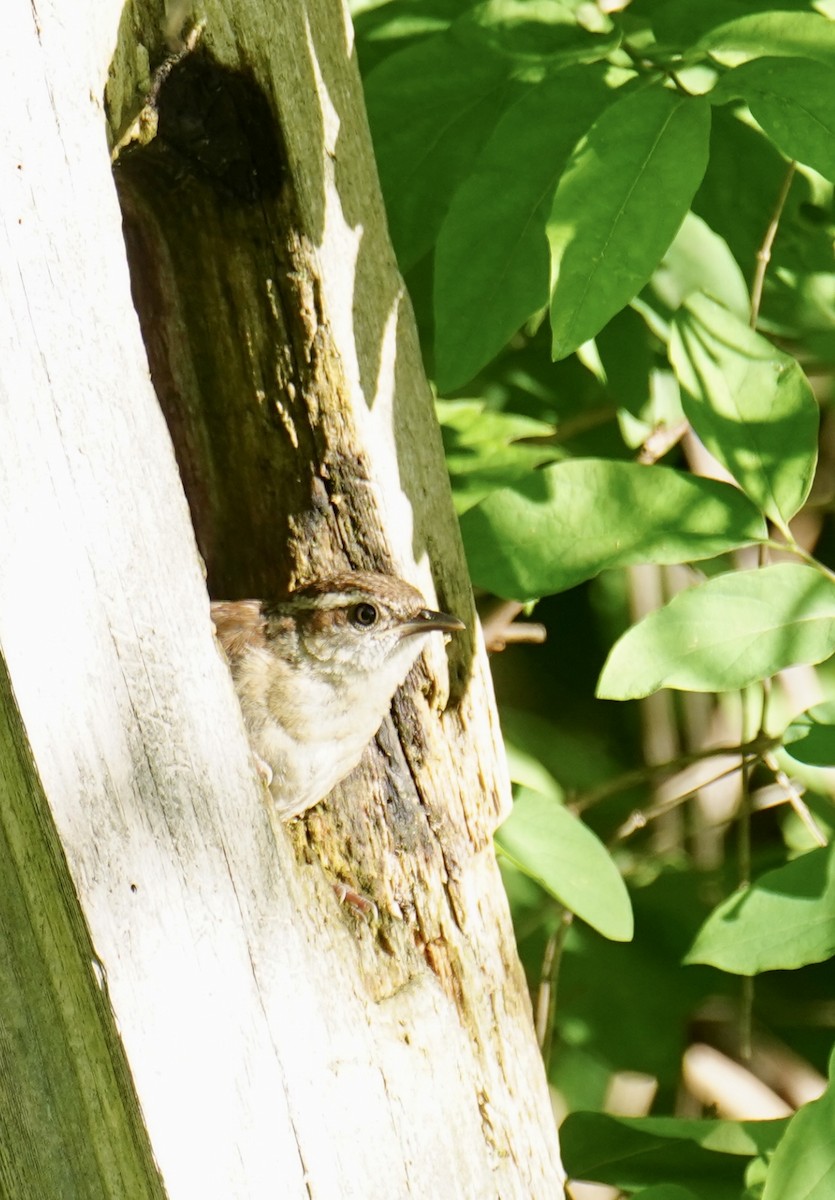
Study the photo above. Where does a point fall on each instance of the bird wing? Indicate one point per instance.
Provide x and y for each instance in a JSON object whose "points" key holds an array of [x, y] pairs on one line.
{"points": [[240, 625]]}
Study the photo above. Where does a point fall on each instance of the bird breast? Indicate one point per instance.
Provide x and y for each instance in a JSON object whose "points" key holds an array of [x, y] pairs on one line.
{"points": [[311, 727]]}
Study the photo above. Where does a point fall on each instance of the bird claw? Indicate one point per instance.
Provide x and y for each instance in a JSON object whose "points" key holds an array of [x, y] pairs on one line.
{"points": [[263, 768], [360, 904]]}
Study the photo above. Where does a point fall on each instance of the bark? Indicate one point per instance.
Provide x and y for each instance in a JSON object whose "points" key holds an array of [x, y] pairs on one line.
{"points": [[277, 1044]]}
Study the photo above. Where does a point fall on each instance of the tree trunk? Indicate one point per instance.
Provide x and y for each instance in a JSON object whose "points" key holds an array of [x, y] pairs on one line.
{"points": [[277, 1045]]}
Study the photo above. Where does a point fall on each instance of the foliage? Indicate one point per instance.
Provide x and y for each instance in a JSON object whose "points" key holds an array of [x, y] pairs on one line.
{"points": [[617, 230]]}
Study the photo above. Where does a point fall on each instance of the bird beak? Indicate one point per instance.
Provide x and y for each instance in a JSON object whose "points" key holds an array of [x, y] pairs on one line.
{"points": [[426, 621]]}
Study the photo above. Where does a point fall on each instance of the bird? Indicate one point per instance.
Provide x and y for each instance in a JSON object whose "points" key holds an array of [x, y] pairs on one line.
{"points": [[316, 671]]}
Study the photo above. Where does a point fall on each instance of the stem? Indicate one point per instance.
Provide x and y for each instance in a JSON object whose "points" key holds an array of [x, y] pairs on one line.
{"points": [[765, 694], [641, 817], [790, 546], [580, 424], [764, 252], [756, 748], [546, 996], [679, 86], [499, 629], [648, 66], [746, 999], [746, 1017], [744, 843], [795, 799]]}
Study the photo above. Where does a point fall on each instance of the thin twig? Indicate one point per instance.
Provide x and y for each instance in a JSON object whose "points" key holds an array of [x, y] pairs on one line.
{"points": [[746, 995], [744, 829], [765, 696], [500, 630], [575, 426], [546, 997], [756, 748], [660, 442], [644, 66], [764, 252], [641, 817], [795, 799], [543, 992], [143, 128], [746, 1017], [790, 546]]}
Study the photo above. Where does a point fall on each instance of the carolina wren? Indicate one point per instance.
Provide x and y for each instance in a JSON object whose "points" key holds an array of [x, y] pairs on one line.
{"points": [[316, 672]]}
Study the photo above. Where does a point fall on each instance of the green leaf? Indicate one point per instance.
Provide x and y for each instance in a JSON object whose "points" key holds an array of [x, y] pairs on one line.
{"points": [[750, 403], [483, 451], [543, 31], [742, 1138], [568, 522], [542, 839], [491, 264], [793, 99], [803, 1166], [784, 920], [578, 757], [384, 28], [626, 360], [630, 1153], [811, 736], [655, 998], [665, 1191], [725, 634], [699, 261], [530, 773], [749, 27], [784, 34], [431, 109], [618, 205]]}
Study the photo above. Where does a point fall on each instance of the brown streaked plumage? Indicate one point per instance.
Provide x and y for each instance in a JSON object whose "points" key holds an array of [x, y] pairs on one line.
{"points": [[315, 673]]}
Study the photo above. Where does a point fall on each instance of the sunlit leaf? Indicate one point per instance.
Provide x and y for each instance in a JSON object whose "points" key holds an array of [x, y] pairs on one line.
{"points": [[699, 261], [750, 403], [568, 522], [384, 28], [738, 29], [530, 773], [483, 448], [726, 633], [784, 920], [783, 33], [793, 99], [544, 840], [431, 108], [491, 265], [546, 31], [803, 1166], [618, 205]]}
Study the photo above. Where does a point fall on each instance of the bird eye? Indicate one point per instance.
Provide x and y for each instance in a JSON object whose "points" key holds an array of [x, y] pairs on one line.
{"points": [[364, 615]]}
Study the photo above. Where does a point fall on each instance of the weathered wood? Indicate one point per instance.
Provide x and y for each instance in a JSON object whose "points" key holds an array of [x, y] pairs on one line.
{"points": [[69, 1118], [278, 1045]]}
